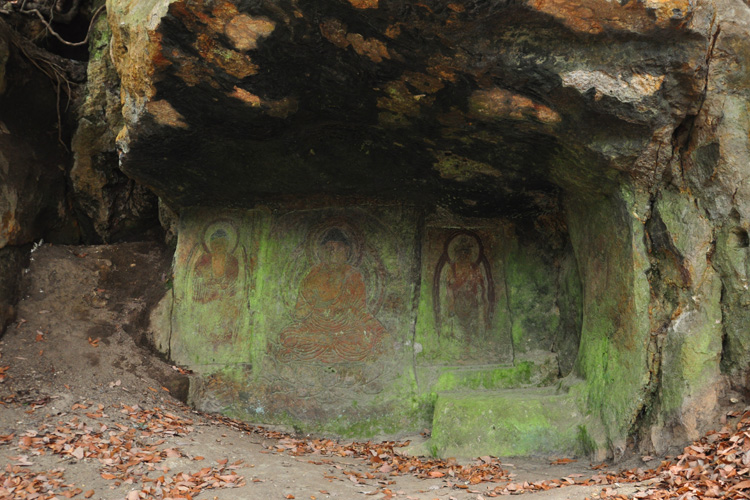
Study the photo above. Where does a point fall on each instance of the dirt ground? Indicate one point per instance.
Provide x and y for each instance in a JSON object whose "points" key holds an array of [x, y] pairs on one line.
{"points": [[88, 411]]}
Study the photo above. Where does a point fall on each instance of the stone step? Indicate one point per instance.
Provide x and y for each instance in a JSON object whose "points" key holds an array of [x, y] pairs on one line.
{"points": [[531, 370], [514, 422]]}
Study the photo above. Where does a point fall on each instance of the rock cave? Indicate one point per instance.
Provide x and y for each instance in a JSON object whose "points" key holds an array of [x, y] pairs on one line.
{"points": [[522, 225]]}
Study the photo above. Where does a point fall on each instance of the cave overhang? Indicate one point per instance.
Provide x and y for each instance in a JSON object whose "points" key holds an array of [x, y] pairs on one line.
{"points": [[386, 207], [482, 107]]}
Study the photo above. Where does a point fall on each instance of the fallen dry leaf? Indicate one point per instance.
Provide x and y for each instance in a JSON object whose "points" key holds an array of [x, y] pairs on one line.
{"points": [[713, 467], [562, 461], [22, 460]]}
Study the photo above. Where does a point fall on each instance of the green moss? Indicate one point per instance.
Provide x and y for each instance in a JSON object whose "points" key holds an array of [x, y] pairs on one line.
{"points": [[265, 275], [588, 444], [497, 378], [100, 37], [434, 347], [691, 355], [531, 281], [136, 12], [609, 246], [733, 261], [209, 334], [387, 416], [687, 229], [525, 312], [517, 333], [513, 423], [570, 303], [231, 339]]}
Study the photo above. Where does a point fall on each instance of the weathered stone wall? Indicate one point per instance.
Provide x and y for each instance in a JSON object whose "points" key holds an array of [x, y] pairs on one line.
{"points": [[609, 247], [32, 161], [280, 329], [703, 206]]}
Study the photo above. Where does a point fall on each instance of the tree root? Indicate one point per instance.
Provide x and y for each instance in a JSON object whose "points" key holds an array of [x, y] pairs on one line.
{"points": [[48, 25], [64, 73]]}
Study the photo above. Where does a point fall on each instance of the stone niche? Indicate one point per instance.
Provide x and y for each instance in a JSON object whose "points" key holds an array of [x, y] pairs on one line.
{"points": [[370, 319], [302, 317]]}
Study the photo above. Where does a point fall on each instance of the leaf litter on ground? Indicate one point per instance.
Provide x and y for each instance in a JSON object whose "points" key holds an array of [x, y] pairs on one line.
{"points": [[716, 466], [126, 455]]}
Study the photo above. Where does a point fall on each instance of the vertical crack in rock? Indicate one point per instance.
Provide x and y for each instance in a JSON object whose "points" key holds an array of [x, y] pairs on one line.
{"points": [[171, 309], [709, 57], [648, 410]]}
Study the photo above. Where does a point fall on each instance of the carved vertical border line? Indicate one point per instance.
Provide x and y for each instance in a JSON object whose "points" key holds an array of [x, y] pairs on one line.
{"points": [[417, 292]]}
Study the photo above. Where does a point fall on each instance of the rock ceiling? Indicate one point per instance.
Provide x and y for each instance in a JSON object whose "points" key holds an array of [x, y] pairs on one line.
{"points": [[482, 106]]}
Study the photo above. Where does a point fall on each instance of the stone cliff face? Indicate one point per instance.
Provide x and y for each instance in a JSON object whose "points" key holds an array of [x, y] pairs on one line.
{"points": [[396, 214]]}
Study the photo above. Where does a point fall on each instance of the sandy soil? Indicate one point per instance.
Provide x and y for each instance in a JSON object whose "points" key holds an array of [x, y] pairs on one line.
{"points": [[88, 411]]}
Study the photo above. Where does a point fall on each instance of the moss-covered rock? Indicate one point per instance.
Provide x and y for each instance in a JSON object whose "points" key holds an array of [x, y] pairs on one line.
{"points": [[527, 422], [539, 368], [733, 259], [609, 241]]}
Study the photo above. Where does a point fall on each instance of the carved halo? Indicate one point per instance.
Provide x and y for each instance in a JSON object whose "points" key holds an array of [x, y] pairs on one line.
{"points": [[230, 229], [350, 233], [464, 240]]}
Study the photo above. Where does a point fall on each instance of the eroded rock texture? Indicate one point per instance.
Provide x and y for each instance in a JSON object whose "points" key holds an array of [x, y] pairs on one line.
{"points": [[33, 193], [603, 143], [115, 206]]}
